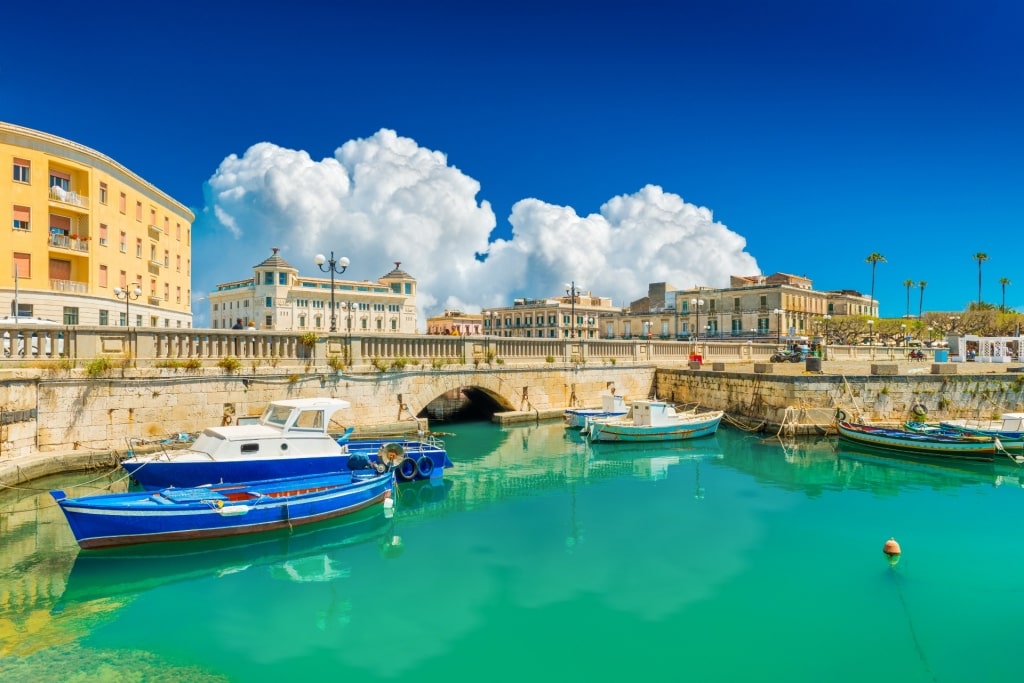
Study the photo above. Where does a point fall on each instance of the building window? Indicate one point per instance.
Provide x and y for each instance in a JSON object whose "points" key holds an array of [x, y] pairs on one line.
{"points": [[61, 180], [267, 322], [177, 231], [177, 263], [302, 321], [282, 278], [103, 193], [123, 280], [122, 203], [138, 213], [268, 278], [103, 276], [138, 247], [22, 170], [104, 317], [124, 242], [23, 265], [167, 292], [70, 315], [167, 259], [22, 214], [269, 302], [103, 234], [152, 217]]}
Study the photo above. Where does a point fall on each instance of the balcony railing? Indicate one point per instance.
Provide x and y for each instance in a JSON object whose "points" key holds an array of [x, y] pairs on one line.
{"points": [[59, 194], [63, 241], [154, 231], [69, 286]]}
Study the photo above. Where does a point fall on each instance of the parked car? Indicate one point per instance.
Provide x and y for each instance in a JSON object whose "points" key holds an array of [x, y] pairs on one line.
{"points": [[19, 346]]}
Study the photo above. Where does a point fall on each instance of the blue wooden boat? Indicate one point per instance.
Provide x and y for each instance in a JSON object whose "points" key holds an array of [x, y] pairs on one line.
{"points": [[612, 406], [179, 514], [654, 421], [290, 439], [1009, 426], [939, 445]]}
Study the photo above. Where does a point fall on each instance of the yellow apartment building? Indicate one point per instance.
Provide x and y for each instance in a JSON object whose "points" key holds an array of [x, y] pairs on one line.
{"points": [[88, 241]]}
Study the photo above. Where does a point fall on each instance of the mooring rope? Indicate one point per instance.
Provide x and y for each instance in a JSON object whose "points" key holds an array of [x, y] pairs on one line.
{"points": [[910, 627]]}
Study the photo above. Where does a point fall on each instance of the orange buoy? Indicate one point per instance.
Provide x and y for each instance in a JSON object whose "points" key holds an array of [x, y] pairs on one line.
{"points": [[891, 547]]}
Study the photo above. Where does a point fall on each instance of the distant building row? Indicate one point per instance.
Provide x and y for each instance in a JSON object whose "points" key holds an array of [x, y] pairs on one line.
{"points": [[752, 306]]}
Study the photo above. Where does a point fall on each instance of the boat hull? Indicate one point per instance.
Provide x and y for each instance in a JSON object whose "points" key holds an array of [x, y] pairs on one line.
{"points": [[155, 473], [621, 431], [173, 514], [920, 444]]}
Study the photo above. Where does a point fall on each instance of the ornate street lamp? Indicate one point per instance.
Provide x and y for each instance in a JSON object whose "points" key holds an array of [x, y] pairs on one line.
{"points": [[778, 325], [331, 266], [697, 303], [871, 336], [128, 295], [573, 290]]}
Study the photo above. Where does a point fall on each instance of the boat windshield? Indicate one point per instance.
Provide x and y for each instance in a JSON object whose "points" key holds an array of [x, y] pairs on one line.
{"points": [[276, 415]]}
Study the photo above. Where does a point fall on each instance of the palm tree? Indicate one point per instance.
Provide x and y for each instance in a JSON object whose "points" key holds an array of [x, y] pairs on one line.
{"points": [[908, 284], [874, 259], [980, 257], [1004, 281], [920, 302]]}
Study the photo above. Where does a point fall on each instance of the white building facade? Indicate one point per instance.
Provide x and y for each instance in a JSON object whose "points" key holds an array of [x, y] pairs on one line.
{"points": [[276, 297]]}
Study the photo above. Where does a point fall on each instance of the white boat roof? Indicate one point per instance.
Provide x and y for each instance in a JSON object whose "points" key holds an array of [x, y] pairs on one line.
{"points": [[335, 403]]}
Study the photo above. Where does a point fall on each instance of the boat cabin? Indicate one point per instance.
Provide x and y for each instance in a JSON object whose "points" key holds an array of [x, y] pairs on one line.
{"points": [[302, 414], [652, 413]]}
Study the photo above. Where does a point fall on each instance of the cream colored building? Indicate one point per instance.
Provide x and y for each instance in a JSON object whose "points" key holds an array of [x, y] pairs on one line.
{"points": [[573, 316], [455, 322], [80, 226], [772, 306], [276, 297]]}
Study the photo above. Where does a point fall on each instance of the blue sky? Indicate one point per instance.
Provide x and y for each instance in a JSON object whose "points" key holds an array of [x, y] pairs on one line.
{"points": [[501, 149]]}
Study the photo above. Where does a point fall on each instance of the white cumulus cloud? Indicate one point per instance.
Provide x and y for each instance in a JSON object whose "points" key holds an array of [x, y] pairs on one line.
{"points": [[384, 198]]}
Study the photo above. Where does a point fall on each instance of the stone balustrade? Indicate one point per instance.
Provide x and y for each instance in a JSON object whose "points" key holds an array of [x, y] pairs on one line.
{"points": [[149, 347]]}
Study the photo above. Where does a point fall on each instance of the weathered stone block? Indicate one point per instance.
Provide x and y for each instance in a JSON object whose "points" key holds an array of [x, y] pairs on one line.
{"points": [[718, 367], [886, 369], [944, 368], [694, 365], [764, 367]]}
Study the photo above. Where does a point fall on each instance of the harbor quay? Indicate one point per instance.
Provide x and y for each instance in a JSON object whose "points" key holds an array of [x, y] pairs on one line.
{"points": [[56, 416]]}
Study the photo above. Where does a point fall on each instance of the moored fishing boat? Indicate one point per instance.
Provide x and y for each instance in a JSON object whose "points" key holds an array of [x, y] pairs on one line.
{"points": [[612, 405], [654, 421], [178, 514], [965, 447], [1009, 426], [290, 439]]}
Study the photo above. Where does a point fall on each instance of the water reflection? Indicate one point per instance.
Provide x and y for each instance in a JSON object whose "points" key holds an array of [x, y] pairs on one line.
{"points": [[531, 530]]}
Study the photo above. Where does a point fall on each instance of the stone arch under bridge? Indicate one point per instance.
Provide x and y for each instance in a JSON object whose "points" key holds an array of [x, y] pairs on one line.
{"points": [[542, 389]]}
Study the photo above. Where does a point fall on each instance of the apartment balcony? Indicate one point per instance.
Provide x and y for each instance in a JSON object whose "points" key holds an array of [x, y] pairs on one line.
{"points": [[68, 198], [154, 231], [154, 300], [73, 243], [69, 286]]}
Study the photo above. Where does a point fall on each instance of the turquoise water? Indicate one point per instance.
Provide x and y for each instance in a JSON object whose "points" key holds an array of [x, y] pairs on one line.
{"points": [[732, 558]]}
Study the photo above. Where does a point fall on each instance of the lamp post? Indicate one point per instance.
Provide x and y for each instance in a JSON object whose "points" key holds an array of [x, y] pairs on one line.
{"points": [[824, 345], [128, 295], [697, 303], [573, 291], [871, 336], [590, 325], [903, 335], [331, 266], [778, 325]]}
